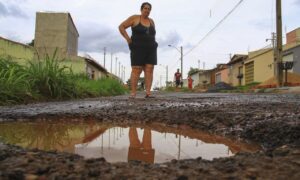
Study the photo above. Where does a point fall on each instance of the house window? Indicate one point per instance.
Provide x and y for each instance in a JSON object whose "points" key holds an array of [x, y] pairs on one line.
{"points": [[240, 70], [289, 57], [93, 74], [218, 77]]}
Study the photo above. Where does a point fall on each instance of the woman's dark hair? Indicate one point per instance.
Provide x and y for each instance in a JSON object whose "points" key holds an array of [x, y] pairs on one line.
{"points": [[144, 4]]}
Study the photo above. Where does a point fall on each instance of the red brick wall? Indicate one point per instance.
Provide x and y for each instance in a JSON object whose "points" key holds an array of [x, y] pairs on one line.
{"points": [[291, 37]]}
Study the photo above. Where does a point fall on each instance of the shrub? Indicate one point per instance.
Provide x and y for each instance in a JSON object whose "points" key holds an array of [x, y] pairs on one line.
{"points": [[50, 80], [14, 85]]}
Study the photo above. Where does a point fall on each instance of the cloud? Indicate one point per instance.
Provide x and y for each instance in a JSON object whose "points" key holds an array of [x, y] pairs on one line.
{"points": [[261, 24], [94, 37], [12, 35], [3, 10], [11, 10], [171, 38], [297, 2]]}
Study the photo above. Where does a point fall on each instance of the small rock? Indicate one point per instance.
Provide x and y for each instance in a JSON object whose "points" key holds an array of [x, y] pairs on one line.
{"points": [[182, 177], [31, 177]]}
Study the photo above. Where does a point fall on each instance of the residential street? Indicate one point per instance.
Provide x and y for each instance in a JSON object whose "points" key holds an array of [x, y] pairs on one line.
{"points": [[271, 120]]}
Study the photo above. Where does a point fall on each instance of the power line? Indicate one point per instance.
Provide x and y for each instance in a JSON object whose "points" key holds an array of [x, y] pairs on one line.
{"points": [[272, 15], [202, 21], [214, 28], [172, 67]]}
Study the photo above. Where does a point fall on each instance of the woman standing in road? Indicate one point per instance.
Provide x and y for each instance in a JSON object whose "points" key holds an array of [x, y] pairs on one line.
{"points": [[143, 47]]}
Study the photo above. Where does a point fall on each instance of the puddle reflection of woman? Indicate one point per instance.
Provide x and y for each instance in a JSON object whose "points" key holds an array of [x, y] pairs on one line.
{"points": [[143, 47], [141, 151]]}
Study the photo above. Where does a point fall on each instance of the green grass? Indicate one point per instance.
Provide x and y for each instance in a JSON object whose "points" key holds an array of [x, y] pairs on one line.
{"points": [[170, 89], [247, 87], [242, 89], [14, 87], [101, 87], [51, 80], [47, 79]]}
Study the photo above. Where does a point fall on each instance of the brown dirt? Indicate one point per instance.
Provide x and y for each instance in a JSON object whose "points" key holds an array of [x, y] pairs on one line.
{"points": [[272, 120]]}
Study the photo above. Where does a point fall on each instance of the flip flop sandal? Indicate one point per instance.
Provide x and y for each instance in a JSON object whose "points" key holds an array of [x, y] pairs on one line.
{"points": [[131, 97], [149, 96]]}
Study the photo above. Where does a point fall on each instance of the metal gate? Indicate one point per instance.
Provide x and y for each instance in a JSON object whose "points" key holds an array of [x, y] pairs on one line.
{"points": [[249, 72]]}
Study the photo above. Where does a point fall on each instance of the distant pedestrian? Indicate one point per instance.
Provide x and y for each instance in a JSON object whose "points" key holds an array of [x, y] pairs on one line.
{"points": [[177, 77], [142, 85], [190, 82]]}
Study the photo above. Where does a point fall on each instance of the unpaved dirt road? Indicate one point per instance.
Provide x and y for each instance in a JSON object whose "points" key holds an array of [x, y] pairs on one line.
{"points": [[272, 120]]}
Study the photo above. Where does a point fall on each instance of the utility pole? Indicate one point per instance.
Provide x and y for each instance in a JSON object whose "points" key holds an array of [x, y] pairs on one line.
{"points": [[181, 57], [279, 73], [166, 73], [273, 40], [199, 64], [203, 65], [111, 60], [179, 147], [121, 72], [160, 81], [104, 55], [116, 66], [119, 68], [167, 76], [124, 73]]}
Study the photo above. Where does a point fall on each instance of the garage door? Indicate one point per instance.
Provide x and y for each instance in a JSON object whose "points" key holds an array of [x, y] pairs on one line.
{"points": [[249, 72]]}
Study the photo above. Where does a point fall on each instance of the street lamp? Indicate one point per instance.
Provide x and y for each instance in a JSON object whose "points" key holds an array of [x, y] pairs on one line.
{"points": [[181, 57]]}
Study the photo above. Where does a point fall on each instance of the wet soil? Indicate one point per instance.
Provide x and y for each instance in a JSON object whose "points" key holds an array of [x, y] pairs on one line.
{"points": [[272, 120]]}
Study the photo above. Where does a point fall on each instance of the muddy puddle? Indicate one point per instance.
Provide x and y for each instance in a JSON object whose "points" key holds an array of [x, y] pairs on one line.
{"points": [[155, 143]]}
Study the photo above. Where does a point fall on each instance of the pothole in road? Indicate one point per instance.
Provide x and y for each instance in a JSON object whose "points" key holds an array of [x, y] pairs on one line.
{"points": [[154, 143]]}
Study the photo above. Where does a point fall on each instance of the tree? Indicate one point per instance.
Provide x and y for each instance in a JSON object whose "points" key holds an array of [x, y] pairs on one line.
{"points": [[31, 43], [193, 70]]}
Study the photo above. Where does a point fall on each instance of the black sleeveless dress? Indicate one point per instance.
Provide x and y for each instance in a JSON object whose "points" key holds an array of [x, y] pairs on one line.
{"points": [[143, 48]]}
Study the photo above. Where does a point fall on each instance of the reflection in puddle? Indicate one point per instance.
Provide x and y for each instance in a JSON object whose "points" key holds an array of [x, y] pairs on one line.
{"points": [[154, 144]]}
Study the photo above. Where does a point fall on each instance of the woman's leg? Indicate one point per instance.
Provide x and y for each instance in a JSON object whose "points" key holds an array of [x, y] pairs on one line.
{"points": [[147, 140], [135, 75], [134, 138], [148, 70]]}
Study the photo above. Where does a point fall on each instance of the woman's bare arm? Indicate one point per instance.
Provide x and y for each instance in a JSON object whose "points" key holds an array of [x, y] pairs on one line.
{"points": [[124, 25]]}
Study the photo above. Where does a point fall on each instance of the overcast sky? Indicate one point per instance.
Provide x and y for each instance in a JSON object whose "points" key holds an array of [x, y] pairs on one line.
{"points": [[186, 23]]}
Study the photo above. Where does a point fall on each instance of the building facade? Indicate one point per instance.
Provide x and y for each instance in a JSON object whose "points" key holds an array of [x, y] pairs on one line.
{"points": [[95, 70], [221, 74], [293, 55], [292, 52], [293, 36], [259, 66], [207, 78], [196, 77], [55, 32], [235, 70], [18, 52]]}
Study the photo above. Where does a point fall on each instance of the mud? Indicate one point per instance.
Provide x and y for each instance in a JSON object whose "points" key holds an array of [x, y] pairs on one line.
{"points": [[271, 120]]}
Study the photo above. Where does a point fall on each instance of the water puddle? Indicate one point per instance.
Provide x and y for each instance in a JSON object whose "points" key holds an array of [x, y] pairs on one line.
{"points": [[155, 143]]}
